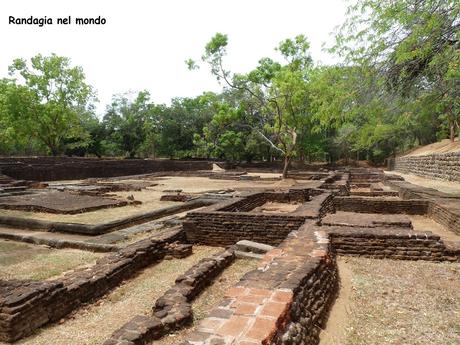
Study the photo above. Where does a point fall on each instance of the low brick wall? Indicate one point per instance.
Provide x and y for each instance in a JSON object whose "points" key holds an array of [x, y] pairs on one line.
{"points": [[445, 216], [311, 303], [390, 243], [225, 229], [377, 205], [101, 228], [438, 166], [173, 310], [254, 200], [442, 207], [66, 168], [282, 302], [28, 305], [221, 225]]}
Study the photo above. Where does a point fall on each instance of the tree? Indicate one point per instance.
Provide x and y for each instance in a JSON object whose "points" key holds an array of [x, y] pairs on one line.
{"points": [[276, 96], [13, 98], [126, 121], [178, 123], [414, 45], [56, 98]]}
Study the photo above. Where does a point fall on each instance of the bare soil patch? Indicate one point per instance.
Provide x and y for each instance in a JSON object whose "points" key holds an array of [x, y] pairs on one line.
{"points": [[442, 186], [150, 197], [422, 223], [276, 207], [396, 302], [366, 219], [58, 202], [444, 146]]}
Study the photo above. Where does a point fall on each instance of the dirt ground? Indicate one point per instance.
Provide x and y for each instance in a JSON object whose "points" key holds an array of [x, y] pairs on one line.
{"points": [[150, 197], [58, 202], [443, 146], [95, 323], [363, 219], [26, 261], [387, 302], [443, 186], [422, 223], [210, 298], [276, 207]]}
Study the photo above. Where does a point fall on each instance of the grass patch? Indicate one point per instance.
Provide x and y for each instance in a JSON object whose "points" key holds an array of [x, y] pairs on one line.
{"points": [[40, 266]]}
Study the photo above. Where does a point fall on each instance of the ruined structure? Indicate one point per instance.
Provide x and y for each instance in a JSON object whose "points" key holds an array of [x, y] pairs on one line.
{"points": [[445, 166], [350, 211]]}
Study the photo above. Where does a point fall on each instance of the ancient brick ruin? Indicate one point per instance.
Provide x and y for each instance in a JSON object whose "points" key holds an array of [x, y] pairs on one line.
{"points": [[444, 166], [350, 211]]}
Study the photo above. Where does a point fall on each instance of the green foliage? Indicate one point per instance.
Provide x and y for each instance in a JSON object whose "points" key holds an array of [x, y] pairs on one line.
{"points": [[414, 46], [53, 103], [126, 121], [398, 87]]}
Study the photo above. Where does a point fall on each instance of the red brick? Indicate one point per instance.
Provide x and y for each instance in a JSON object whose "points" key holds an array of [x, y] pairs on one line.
{"points": [[234, 326], [260, 292], [245, 308], [274, 309], [236, 291], [256, 299], [273, 253], [262, 330], [282, 296], [318, 253]]}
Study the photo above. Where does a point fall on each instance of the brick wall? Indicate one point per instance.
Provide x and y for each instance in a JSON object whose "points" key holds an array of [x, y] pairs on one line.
{"points": [[28, 305], [229, 222], [376, 205], [64, 168], [438, 166], [225, 229], [390, 243], [173, 310]]}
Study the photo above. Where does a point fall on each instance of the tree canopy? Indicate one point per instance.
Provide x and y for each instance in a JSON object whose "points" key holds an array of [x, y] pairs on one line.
{"points": [[397, 86]]}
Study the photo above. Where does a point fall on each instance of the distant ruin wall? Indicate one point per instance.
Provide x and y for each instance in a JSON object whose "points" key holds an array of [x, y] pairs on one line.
{"points": [[439, 166], [68, 168]]}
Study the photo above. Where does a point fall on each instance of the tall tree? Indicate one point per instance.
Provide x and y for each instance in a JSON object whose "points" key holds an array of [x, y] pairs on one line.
{"points": [[278, 93], [414, 45], [58, 101], [126, 121]]}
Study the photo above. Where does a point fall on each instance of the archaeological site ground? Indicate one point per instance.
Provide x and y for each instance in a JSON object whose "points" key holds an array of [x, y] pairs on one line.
{"points": [[120, 252]]}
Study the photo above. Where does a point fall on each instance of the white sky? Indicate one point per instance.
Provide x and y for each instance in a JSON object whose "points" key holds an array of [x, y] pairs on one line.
{"points": [[145, 42]]}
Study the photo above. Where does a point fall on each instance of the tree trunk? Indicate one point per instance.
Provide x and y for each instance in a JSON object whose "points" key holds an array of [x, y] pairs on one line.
{"points": [[54, 151], [287, 162], [451, 131]]}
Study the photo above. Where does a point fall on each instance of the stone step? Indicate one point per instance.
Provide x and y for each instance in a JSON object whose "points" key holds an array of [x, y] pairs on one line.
{"points": [[254, 247]]}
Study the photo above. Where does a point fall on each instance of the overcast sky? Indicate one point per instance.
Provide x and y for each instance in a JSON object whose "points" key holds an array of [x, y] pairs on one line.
{"points": [[144, 43]]}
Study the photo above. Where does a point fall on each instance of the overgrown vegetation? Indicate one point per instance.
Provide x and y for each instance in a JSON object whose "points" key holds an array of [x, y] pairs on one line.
{"points": [[398, 86]]}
